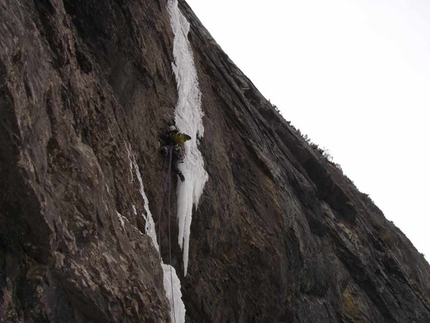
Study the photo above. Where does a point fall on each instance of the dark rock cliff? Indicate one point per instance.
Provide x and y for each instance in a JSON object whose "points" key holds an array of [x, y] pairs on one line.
{"points": [[280, 235]]}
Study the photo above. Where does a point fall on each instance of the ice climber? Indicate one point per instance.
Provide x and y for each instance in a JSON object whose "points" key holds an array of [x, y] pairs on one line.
{"points": [[176, 140]]}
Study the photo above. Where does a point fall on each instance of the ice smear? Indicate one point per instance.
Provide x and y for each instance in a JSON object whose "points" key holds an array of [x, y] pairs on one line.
{"points": [[171, 282], [188, 118], [172, 285]]}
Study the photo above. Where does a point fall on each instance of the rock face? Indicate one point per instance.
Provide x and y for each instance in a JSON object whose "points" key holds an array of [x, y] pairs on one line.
{"points": [[280, 234]]}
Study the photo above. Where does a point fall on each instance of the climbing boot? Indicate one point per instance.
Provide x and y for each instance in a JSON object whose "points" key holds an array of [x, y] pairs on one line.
{"points": [[181, 176]]}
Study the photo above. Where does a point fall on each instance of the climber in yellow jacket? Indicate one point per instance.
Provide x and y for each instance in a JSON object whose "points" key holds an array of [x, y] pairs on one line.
{"points": [[176, 140]]}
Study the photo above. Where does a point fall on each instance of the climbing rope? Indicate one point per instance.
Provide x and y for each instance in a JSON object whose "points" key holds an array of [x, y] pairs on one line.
{"points": [[161, 204], [167, 188], [170, 243], [166, 182]]}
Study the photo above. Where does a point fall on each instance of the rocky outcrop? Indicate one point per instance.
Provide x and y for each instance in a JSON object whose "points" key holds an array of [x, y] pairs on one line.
{"points": [[74, 102], [280, 234]]}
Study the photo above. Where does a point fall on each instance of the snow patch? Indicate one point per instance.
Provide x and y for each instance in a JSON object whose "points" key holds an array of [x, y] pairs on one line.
{"points": [[188, 118]]}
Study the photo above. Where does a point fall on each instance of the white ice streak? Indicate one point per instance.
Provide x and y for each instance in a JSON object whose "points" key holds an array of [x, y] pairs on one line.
{"points": [[171, 282], [149, 220], [188, 118]]}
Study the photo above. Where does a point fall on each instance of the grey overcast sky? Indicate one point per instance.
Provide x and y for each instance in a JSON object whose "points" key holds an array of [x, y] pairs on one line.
{"points": [[354, 75]]}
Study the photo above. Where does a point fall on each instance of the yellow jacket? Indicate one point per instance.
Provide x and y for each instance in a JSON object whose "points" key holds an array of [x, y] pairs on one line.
{"points": [[179, 138]]}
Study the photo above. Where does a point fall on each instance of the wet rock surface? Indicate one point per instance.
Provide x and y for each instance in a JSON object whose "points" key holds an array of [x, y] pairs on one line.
{"points": [[280, 235]]}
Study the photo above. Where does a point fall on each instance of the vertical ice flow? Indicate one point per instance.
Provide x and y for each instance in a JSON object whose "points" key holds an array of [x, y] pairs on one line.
{"points": [[188, 118], [171, 282]]}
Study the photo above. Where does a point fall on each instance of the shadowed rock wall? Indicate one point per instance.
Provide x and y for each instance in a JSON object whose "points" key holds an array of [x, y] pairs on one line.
{"points": [[280, 234]]}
